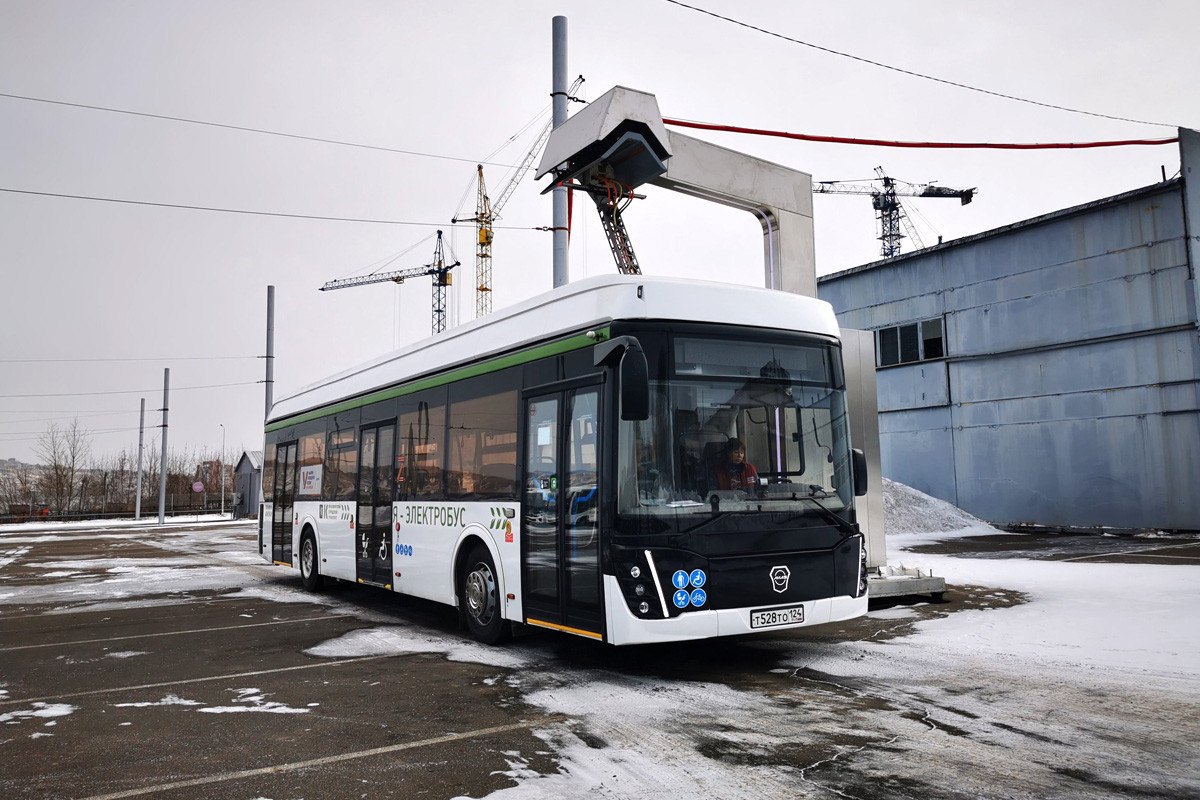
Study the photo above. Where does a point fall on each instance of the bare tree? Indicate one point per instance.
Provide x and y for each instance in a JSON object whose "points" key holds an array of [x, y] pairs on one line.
{"points": [[63, 451], [17, 489]]}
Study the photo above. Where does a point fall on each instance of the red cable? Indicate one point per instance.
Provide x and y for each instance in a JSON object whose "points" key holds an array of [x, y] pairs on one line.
{"points": [[943, 145]]}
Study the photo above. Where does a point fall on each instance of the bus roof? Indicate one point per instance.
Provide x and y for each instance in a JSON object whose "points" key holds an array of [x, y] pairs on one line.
{"points": [[576, 308]]}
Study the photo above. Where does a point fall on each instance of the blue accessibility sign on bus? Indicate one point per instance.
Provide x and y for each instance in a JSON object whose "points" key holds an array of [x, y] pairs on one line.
{"points": [[680, 579], [682, 598]]}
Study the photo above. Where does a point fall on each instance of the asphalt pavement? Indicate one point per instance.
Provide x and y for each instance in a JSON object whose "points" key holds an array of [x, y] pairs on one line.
{"points": [[158, 662]]}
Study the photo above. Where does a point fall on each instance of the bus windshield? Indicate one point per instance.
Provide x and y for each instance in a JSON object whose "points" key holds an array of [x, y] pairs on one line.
{"points": [[738, 426]]}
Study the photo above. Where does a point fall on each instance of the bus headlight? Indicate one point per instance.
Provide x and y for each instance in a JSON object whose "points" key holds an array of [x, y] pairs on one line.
{"points": [[639, 590], [635, 571], [862, 567], [644, 607]]}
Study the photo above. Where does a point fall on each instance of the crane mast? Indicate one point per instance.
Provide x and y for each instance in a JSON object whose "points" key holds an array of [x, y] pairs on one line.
{"points": [[484, 218], [438, 269]]}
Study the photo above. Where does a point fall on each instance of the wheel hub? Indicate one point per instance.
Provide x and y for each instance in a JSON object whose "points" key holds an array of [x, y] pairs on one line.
{"points": [[481, 594]]}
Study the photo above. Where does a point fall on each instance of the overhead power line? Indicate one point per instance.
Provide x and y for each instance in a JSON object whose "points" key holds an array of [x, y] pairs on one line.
{"points": [[911, 73], [105, 360], [241, 210], [134, 391], [248, 129], [8, 437], [125, 413], [706, 126]]}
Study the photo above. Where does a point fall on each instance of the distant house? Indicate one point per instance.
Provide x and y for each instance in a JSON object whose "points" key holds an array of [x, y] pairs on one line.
{"points": [[247, 481]]}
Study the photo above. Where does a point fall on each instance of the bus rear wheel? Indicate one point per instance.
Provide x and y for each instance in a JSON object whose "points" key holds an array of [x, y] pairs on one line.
{"points": [[480, 593], [310, 573]]}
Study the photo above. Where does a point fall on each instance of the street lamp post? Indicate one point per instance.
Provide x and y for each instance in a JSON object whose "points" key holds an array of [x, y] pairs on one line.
{"points": [[221, 468]]}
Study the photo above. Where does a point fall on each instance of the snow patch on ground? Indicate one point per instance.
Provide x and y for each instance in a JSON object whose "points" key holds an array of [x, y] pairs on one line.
{"points": [[169, 700], [137, 579], [37, 711], [397, 640], [639, 738], [253, 700], [1135, 621]]}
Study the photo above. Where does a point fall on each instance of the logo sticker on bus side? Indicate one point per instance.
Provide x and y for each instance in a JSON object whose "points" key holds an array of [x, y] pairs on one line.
{"points": [[499, 522]]}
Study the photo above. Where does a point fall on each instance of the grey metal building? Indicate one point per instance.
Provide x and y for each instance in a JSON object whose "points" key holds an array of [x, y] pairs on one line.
{"points": [[1047, 372], [247, 482]]}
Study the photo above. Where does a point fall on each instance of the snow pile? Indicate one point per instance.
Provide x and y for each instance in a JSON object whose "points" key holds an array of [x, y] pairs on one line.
{"points": [[908, 511]]}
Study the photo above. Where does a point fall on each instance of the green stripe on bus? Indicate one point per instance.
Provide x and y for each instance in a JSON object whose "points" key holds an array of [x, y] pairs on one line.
{"points": [[495, 365]]}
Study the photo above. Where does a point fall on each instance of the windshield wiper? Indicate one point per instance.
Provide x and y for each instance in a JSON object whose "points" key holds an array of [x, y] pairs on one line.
{"points": [[830, 517]]}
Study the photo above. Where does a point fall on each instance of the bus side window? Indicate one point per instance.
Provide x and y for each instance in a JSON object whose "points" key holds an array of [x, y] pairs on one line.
{"points": [[421, 433], [312, 466], [483, 446], [341, 465]]}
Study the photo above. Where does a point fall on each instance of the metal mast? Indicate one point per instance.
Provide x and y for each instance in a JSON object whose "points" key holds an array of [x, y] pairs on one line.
{"points": [[484, 219], [441, 280]]}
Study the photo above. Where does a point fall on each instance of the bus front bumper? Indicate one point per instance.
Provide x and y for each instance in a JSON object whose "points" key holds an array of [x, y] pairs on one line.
{"points": [[625, 628]]}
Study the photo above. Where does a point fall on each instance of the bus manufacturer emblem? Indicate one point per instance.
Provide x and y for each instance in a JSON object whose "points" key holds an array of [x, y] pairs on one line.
{"points": [[779, 578]]}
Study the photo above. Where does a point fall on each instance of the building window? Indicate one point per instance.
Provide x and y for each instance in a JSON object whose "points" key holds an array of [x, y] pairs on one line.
{"points": [[909, 343]]}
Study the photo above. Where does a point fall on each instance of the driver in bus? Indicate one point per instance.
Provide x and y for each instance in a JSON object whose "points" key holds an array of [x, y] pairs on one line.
{"points": [[735, 472]]}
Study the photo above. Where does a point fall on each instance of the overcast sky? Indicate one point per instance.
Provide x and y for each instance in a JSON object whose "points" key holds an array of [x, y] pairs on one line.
{"points": [[99, 297]]}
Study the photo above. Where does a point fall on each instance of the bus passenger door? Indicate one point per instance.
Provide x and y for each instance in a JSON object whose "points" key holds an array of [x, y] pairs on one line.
{"points": [[376, 484], [283, 499], [560, 512]]}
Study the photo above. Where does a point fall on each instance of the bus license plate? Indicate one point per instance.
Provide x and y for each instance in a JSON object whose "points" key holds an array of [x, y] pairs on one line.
{"points": [[765, 618]]}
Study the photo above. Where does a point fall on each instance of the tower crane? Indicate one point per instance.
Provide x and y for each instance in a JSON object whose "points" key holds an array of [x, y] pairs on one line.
{"points": [[439, 269], [886, 201], [487, 212]]}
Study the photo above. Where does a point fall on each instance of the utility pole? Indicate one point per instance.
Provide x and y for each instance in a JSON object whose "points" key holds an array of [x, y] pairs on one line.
{"points": [[221, 469], [270, 381], [137, 513], [559, 116], [162, 466]]}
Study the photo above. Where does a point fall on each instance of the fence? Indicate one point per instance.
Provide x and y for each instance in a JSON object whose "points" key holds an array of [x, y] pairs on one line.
{"points": [[180, 504]]}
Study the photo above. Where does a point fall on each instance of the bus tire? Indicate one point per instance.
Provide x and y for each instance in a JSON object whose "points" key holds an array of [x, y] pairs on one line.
{"points": [[310, 570], [480, 593]]}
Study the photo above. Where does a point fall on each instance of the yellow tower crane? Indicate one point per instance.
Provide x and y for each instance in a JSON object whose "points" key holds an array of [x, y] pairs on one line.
{"points": [[487, 212]]}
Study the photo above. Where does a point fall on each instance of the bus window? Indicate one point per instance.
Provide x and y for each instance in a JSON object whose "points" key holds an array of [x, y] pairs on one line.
{"points": [[422, 434], [312, 465], [482, 448], [782, 402], [268, 471], [341, 465]]}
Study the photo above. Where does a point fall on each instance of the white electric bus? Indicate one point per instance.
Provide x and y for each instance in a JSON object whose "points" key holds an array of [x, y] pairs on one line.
{"points": [[563, 464]]}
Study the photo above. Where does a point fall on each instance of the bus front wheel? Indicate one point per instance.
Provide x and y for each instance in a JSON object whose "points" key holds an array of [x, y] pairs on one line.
{"points": [[310, 573], [480, 594]]}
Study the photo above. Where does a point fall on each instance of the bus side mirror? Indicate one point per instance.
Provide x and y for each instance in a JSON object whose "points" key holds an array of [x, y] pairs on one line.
{"points": [[859, 460], [633, 382]]}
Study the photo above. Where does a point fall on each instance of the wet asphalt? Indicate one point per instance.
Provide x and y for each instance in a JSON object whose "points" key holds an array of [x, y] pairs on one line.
{"points": [[209, 692]]}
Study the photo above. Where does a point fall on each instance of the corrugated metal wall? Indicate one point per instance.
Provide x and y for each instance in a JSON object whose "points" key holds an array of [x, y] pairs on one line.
{"points": [[1068, 395]]}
